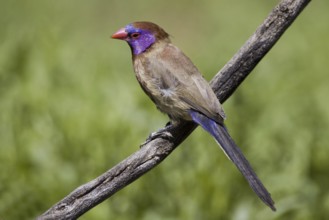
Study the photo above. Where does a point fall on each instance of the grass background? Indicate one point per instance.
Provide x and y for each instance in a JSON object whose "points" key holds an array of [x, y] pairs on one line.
{"points": [[70, 108]]}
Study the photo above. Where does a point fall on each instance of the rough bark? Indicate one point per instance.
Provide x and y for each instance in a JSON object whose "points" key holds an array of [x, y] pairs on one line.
{"points": [[224, 84]]}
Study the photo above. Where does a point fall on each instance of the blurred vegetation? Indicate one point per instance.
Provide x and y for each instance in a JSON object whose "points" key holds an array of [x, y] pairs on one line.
{"points": [[70, 108]]}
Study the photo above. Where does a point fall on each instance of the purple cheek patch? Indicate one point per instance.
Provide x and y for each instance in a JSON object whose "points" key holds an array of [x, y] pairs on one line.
{"points": [[140, 44]]}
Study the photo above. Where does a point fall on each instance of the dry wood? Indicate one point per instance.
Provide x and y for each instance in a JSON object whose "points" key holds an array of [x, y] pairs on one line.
{"points": [[151, 154]]}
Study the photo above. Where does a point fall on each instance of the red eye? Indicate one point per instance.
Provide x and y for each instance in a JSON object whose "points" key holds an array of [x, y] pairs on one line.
{"points": [[135, 35]]}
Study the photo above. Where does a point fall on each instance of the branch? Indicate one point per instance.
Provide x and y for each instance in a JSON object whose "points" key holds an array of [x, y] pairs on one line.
{"points": [[224, 84]]}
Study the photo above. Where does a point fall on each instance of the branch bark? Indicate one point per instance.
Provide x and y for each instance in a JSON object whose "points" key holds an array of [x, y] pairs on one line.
{"points": [[224, 84]]}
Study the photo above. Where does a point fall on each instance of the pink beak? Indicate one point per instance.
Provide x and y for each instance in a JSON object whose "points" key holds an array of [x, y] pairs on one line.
{"points": [[120, 34]]}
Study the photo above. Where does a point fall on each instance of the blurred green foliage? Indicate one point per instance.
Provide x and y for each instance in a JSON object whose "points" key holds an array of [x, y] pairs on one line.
{"points": [[70, 108]]}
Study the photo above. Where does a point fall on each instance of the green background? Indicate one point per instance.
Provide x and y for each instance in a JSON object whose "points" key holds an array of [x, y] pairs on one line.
{"points": [[71, 108]]}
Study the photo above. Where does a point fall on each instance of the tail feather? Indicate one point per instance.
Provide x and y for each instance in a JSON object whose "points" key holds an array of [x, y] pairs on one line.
{"points": [[232, 151]]}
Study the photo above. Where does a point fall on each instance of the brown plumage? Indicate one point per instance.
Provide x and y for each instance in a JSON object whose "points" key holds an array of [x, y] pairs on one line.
{"points": [[178, 89], [157, 31], [171, 85]]}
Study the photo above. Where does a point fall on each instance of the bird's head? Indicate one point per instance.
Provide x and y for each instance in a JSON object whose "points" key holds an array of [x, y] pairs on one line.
{"points": [[141, 35]]}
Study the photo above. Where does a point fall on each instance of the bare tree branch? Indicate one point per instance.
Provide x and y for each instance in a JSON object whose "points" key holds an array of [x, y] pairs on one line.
{"points": [[224, 84]]}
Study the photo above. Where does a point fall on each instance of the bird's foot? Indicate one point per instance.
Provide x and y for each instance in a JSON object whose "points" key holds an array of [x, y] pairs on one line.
{"points": [[162, 133]]}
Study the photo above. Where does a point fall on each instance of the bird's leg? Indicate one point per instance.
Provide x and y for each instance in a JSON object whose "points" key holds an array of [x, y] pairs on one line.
{"points": [[162, 133]]}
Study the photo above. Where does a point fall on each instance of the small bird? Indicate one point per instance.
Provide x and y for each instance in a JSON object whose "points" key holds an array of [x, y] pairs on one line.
{"points": [[179, 90]]}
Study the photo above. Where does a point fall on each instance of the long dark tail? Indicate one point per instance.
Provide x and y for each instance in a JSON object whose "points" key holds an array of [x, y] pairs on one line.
{"points": [[232, 151]]}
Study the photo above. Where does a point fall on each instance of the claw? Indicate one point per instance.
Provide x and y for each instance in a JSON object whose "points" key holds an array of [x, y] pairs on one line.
{"points": [[162, 133]]}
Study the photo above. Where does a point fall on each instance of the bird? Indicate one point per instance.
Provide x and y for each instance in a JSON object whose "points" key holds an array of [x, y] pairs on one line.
{"points": [[178, 89]]}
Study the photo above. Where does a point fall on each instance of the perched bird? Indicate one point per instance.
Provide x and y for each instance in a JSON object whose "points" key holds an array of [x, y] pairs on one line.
{"points": [[178, 89]]}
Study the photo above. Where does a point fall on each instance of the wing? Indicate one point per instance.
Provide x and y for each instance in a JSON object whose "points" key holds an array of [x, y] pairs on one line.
{"points": [[191, 87]]}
